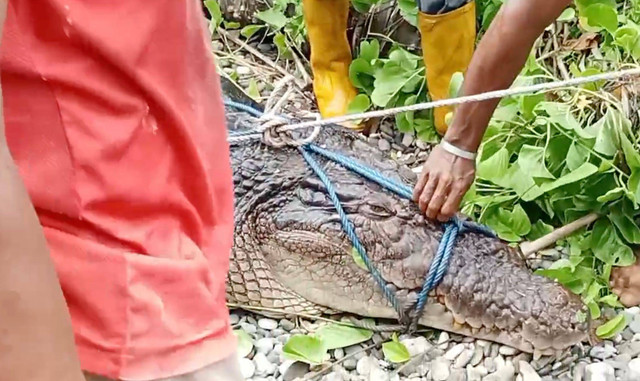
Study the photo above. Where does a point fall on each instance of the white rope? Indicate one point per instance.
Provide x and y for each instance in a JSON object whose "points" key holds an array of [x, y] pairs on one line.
{"points": [[456, 101]]}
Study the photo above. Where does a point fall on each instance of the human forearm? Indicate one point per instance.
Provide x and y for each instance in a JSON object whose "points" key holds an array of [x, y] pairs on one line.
{"points": [[497, 61], [37, 340]]}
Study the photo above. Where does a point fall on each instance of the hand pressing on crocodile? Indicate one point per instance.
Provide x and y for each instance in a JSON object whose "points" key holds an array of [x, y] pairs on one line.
{"points": [[444, 181]]}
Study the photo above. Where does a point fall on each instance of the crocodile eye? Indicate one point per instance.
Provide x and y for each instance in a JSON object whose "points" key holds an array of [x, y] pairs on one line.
{"points": [[376, 210]]}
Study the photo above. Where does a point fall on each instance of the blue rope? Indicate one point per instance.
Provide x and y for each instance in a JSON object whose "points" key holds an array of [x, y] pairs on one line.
{"points": [[441, 260]]}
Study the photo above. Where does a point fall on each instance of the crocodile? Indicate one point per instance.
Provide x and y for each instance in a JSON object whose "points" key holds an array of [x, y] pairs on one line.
{"points": [[291, 255]]}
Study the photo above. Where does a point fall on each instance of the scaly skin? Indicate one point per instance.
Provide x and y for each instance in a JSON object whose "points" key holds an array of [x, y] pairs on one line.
{"points": [[291, 253]]}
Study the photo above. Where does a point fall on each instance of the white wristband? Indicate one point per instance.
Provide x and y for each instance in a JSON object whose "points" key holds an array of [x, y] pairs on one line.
{"points": [[457, 151]]}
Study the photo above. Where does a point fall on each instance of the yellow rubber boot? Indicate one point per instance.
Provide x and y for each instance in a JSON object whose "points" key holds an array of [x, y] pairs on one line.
{"points": [[448, 42], [326, 22]]}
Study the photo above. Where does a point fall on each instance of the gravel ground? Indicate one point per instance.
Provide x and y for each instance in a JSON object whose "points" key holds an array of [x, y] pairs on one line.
{"points": [[436, 356], [440, 356]]}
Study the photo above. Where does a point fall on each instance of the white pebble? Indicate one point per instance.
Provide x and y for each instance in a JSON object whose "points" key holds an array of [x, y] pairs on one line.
{"points": [[444, 338], [243, 70], [364, 365], [338, 353], [264, 345], [599, 371], [282, 368], [267, 324], [440, 369], [378, 374], [634, 368], [417, 345], [454, 352], [247, 368], [263, 366], [527, 372], [508, 351], [476, 373]]}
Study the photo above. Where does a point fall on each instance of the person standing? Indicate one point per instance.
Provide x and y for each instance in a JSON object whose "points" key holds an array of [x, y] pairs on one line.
{"points": [[115, 173]]}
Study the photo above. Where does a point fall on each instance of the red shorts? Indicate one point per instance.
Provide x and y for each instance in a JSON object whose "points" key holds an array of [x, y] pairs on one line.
{"points": [[114, 117]]}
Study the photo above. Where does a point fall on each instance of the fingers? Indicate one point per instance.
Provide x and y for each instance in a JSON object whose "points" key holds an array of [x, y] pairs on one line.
{"points": [[439, 197], [422, 181], [427, 193], [452, 204]]}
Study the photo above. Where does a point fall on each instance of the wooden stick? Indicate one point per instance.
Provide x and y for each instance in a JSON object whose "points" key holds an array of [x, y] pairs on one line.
{"points": [[529, 248]]}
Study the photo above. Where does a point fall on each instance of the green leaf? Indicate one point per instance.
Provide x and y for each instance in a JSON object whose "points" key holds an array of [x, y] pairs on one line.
{"points": [[612, 195], [389, 81], [426, 130], [340, 336], [602, 16], [370, 50], [495, 167], [608, 130], [577, 155], [249, 30], [626, 226], [395, 352], [304, 348], [539, 229], [528, 104], [455, 84], [607, 246], [361, 74], [631, 154], [358, 259], [612, 327], [628, 38], [275, 19], [253, 90], [245, 344], [214, 10], [359, 104], [611, 300], [584, 171], [531, 161], [280, 40], [521, 224], [567, 15]]}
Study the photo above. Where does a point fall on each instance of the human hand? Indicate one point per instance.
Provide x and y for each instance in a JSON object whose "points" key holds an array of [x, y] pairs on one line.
{"points": [[444, 180]]}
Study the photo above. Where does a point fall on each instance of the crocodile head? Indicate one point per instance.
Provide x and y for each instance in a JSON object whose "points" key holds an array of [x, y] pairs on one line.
{"points": [[288, 232]]}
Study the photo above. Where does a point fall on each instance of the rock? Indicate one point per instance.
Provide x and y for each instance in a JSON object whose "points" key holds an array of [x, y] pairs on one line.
{"points": [[267, 324], [273, 357], [234, 319], [287, 325], [440, 369], [333, 376], [264, 345], [355, 351], [490, 364], [578, 372], [443, 339], [603, 352], [621, 361], [407, 140], [349, 364], [457, 375], [505, 372], [599, 372], [247, 368], [508, 351], [476, 373], [364, 365], [463, 359], [243, 70], [527, 372], [634, 369], [634, 326], [478, 355], [248, 328], [454, 352], [283, 338], [417, 345], [526, 357], [295, 370], [338, 353], [384, 145], [263, 366], [378, 374]]}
